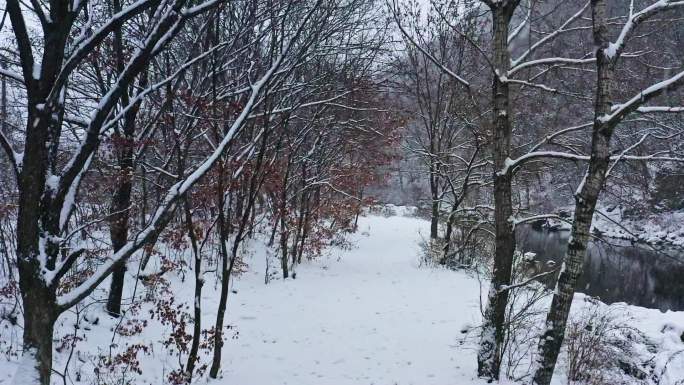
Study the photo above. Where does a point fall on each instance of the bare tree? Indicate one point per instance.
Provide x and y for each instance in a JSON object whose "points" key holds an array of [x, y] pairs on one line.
{"points": [[607, 116], [48, 187]]}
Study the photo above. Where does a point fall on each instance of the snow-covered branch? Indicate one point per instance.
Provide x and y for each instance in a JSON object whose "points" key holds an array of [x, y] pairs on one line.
{"points": [[560, 30], [13, 156], [615, 49], [550, 61], [427, 54], [86, 46], [163, 212], [514, 163], [527, 281], [654, 109], [12, 75], [622, 110]]}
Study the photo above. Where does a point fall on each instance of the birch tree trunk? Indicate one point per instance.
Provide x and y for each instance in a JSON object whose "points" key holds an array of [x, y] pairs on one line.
{"points": [[585, 202], [489, 354]]}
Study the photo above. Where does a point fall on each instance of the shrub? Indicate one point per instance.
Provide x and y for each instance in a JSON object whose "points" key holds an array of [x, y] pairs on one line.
{"points": [[600, 347]]}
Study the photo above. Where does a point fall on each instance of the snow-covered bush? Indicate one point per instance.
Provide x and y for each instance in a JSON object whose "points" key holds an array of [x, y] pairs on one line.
{"points": [[524, 318], [431, 251], [601, 347]]}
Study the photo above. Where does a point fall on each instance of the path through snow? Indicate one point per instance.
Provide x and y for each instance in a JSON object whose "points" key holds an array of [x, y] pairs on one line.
{"points": [[370, 317]]}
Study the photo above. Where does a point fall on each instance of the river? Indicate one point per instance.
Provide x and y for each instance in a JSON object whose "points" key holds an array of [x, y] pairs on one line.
{"points": [[615, 270]]}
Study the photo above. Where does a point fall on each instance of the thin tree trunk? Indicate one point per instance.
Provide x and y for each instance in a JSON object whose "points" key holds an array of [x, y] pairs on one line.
{"points": [[585, 203], [274, 230], [243, 212], [447, 234], [305, 233], [225, 280], [121, 201], [283, 246], [284, 232], [434, 209], [118, 230], [296, 250], [493, 328], [3, 99], [358, 213], [199, 282]]}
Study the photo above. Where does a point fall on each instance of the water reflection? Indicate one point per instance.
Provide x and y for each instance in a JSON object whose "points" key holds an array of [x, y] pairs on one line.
{"points": [[615, 272]]}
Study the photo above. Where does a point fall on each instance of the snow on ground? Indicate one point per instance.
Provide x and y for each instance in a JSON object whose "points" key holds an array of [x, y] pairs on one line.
{"points": [[368, 315], [371, 317], [666, 331]]}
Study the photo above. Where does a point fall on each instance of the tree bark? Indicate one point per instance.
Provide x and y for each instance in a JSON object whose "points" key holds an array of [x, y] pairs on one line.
{"points": [[284, 231], [493, 328], [283, 247], [118, 229], [447, 234], [434, 205], [116, 289], [40, 314], [121, 201], [585, 202], [199, 283], [225, 280], [305, 233]]}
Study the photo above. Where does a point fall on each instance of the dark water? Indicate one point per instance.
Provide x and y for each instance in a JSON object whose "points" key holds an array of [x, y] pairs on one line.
{"points": [[615, 270]]}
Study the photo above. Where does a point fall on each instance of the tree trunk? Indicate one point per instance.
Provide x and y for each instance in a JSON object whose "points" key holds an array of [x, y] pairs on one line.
{"points": [[40, 314], [447, 234], [299, 233], [585, 202], [116, 289], [358, 213], [434, 218], [305, 233], [274, 230], [284, 232], [223, 300], [39, 300], [225, 280], [121, 201], [283, 247], [118, 230], [493, 328], [199, 282], [119, 220], [243, 210]]}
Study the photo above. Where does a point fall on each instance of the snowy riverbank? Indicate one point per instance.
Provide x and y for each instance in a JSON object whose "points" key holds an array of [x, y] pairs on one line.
{"points": [[662, 229]]}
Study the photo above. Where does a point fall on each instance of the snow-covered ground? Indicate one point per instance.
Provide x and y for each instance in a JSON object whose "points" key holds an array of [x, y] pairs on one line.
{"points": [[367, 315]]}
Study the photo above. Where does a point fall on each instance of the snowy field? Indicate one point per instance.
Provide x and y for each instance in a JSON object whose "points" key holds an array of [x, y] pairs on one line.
{"points": [[368, 315]]}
